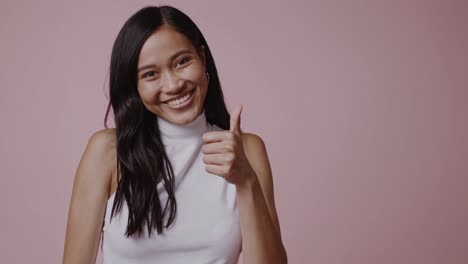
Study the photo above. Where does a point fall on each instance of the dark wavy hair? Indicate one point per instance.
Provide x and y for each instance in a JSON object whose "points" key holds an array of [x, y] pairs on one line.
{"points": [[142, 161]]}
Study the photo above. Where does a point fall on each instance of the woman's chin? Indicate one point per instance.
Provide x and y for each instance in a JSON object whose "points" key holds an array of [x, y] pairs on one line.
{"points": [[183, 118]]}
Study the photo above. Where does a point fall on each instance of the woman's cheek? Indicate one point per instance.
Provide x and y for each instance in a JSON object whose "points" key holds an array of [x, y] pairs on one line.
{"points": [[147, 91], [194, 73]]}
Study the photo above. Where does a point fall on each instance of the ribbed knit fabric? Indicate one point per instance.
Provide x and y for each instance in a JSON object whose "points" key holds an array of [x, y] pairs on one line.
{"points": [[206, 227]]}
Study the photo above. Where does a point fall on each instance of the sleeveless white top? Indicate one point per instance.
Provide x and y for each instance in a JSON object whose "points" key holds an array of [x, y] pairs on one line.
{"points": [[206, 227]]}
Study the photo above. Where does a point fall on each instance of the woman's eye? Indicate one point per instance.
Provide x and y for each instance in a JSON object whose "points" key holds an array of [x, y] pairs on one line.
{"points": [[183, 60], [148, 74]]}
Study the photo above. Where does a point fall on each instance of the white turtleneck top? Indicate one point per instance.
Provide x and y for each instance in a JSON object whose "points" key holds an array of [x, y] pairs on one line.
{"points": [[206, 228]]}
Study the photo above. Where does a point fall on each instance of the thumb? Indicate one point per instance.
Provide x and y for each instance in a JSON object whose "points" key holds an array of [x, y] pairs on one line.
{"points": [[235, 126]]}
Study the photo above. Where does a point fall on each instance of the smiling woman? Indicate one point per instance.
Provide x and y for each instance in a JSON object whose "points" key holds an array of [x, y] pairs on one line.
{"points": [[172, 80], [176, 181]]}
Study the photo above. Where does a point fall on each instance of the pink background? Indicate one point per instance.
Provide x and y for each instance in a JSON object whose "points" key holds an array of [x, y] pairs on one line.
{"points": [[362, 105]]}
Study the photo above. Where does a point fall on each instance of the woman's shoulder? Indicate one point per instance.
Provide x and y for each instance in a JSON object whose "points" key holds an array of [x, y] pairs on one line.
{"points": [[104, 138], [252, 138], [102, 146], [252, 142]]}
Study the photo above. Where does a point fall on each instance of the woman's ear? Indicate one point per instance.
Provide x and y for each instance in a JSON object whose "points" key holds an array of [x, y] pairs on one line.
{"points": [[202, 55]]}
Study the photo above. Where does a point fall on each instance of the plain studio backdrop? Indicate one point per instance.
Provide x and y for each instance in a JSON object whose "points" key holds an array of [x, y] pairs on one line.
{"points": [[362, 105]]}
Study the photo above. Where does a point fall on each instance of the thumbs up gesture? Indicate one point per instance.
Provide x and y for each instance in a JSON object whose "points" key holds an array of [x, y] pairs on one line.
{"points": [[224, 153]]}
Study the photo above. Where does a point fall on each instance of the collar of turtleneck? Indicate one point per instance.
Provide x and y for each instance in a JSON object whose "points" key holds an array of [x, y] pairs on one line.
{"points": [[195, 128]]}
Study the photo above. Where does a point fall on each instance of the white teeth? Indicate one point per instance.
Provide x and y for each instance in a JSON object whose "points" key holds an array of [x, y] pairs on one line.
{"points": [[180, 100]]}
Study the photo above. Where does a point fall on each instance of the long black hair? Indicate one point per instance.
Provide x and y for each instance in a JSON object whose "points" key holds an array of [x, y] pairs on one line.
{"points": [[142, 161]]}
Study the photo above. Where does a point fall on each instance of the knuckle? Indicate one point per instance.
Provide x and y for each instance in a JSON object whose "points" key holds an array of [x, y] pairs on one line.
{"points": [[229, 157], [230, 136], [229, 147]]}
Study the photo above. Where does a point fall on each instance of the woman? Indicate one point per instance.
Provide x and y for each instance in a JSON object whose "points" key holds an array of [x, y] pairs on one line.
{"points": [[176, 181]]}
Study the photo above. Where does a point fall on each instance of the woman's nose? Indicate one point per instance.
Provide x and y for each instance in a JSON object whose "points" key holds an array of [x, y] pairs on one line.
{"points": [[172, 82]]}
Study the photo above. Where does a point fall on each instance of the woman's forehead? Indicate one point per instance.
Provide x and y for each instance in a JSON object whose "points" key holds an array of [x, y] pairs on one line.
{"points": [[163, 44]]}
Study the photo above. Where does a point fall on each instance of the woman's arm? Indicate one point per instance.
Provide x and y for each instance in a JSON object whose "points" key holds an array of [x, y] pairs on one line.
{"points": [[89, 197], [241, 159], [261, 235]]}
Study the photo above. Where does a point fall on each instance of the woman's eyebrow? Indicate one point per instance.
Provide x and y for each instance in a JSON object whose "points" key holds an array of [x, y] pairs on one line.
{"points": [[175, 55]]}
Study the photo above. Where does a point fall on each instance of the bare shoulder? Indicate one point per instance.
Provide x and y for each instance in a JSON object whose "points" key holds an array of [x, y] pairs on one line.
{"points": [[256, 152], [103, 139], [101, 151], [253, 143], [103, 143]]}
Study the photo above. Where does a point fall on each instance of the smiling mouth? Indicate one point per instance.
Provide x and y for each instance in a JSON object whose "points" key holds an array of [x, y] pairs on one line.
{"points": [[181, 99]]}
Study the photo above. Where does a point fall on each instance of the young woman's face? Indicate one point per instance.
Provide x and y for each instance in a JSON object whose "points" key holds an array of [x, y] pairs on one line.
{"points": [[172, 82]]}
